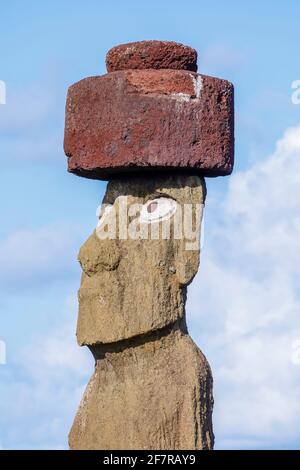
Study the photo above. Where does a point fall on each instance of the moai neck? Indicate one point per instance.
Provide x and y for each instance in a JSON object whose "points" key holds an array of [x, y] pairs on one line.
{"points": [[154, 127]]}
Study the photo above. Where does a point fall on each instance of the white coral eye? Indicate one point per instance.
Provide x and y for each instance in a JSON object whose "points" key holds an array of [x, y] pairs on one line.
{"points": [[102, 211], [157, 210]]}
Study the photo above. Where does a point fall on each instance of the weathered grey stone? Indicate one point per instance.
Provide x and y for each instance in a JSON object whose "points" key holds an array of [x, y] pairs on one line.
{"points": [[152, 386], [154, 393]]}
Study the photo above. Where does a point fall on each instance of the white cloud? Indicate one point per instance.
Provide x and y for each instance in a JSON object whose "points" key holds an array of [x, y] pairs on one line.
{"points": [[32, 258], [221, 59], [31, 124], [43, 387], [245, 302], [25, 109], [41, 148]]}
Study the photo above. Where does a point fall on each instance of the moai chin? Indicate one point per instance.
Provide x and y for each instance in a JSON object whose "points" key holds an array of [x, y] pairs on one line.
{"points": [[154, 128]]}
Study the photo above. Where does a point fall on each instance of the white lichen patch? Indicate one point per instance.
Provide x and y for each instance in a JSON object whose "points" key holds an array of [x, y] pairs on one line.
{"points": [[185, 97], [180, 96], [198, 83]]}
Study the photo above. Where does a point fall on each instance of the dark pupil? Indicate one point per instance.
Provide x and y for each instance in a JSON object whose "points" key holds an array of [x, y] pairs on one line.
{"points": [[152, 207]]}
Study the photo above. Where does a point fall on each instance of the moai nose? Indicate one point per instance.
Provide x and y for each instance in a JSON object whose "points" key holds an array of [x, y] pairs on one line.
{"points": [[97, 255]]}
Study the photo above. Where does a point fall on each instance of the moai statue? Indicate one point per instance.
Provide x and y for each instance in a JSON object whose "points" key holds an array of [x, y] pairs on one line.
{"points": [[154, 128]]}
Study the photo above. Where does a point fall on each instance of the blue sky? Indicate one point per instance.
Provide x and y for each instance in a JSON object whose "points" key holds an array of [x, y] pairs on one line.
{"points": [[243, 306]]}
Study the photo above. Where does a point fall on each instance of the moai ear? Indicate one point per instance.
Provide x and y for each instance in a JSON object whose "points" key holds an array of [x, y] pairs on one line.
{"points": [[96, 255]]}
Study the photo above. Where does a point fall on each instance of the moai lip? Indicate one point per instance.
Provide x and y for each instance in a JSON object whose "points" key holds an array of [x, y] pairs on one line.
{"points": [[151, 112]]}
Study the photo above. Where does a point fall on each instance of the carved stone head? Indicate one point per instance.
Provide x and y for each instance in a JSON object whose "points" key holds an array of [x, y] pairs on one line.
{"points": [[137, 263]]}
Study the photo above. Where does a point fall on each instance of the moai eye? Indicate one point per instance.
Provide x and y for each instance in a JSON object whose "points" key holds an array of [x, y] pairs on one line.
{"points": [[101, 212], [157, 210]]}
